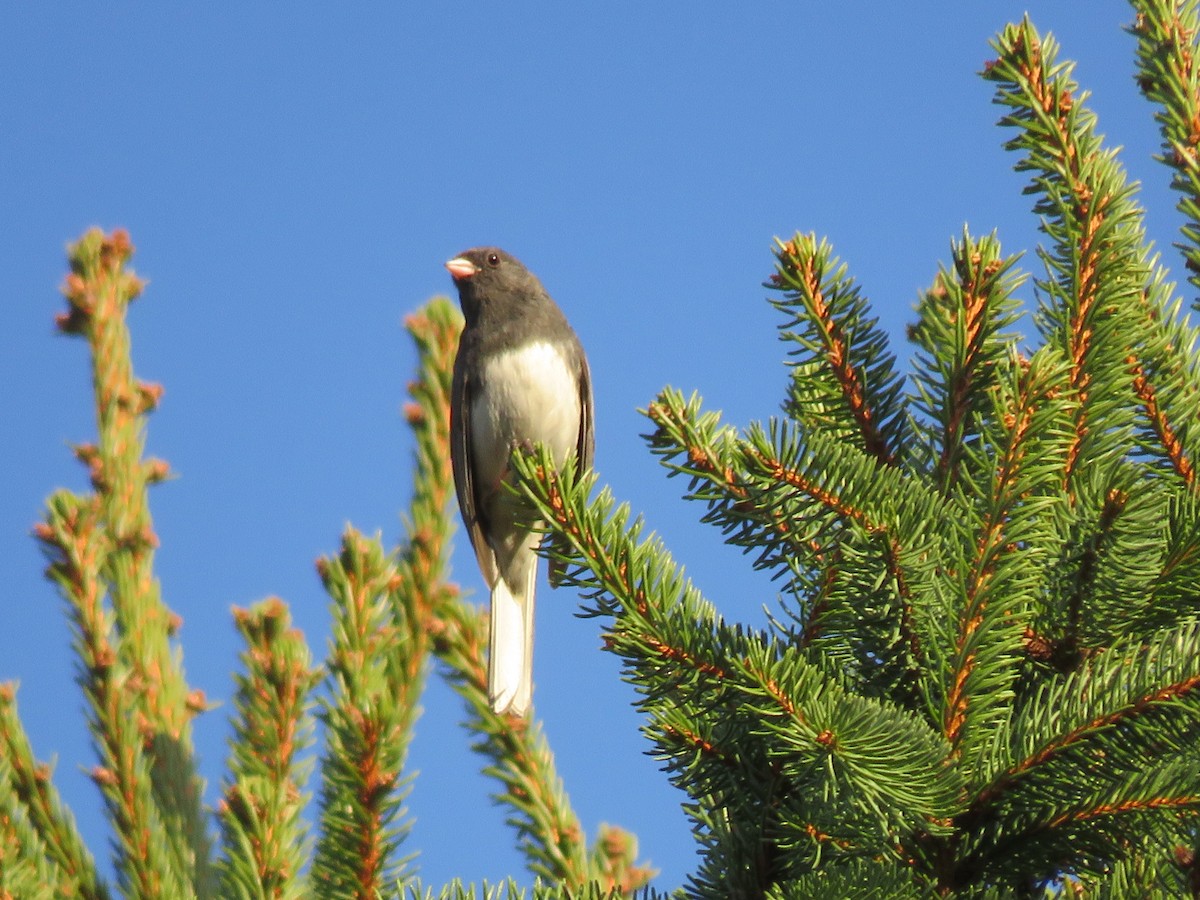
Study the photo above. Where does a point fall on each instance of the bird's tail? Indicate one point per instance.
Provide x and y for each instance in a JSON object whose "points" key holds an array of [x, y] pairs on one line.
{"points": [[510, 645]]}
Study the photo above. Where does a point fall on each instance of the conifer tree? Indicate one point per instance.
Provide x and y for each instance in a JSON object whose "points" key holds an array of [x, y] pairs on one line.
{"points": [[987, 682], [985, 678]]}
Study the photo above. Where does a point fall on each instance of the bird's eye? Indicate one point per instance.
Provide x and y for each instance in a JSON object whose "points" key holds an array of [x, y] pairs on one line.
{"points": [[493, 259]]}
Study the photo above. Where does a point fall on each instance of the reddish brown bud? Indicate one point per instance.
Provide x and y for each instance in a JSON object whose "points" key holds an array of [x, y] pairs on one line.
{"points": [[72, 322], [157, 470], [149, 395], [74, 288], [615, 840], [133, 287], [88, 454], [105, 659], [120, 244]]}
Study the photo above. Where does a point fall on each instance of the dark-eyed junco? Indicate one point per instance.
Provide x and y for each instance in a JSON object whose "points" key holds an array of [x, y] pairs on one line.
{"points": [[520, 377]]}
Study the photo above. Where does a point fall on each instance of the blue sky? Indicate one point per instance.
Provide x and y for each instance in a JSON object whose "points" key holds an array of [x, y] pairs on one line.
{"points": [[293, 183]]}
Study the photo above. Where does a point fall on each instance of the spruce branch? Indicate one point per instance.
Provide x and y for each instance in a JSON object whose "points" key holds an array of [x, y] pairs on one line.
{"points": [[773, 731], [679, 674], [75, 543], [614, 864], [1104, 305], [1094, 830], [1008, 535], [423, 557], [125, 769], [1107, 548], [1109, 697], [1169, 76], [1096, 263], [795, 497], [1166, 382], [843, 378], [39, 833], [962, 334], [693, 443], [99, 290], [368, 719], [100, 549], [1151, 584], [548, 832], [25, 867], [265, 838], [836, 495], [877, 757], [1161, 425], [384, 607], [1081, 748]]}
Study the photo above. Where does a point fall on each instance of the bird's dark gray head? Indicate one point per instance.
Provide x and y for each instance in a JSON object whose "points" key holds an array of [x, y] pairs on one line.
{"points": [[489, 277]]}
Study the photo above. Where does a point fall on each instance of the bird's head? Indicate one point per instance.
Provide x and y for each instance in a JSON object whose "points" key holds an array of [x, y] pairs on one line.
{"points": [[486, 275]]}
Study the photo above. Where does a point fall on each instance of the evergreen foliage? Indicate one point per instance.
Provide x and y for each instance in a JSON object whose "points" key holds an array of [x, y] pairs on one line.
{"points": [[988, 678], [265, 841], [985, 678]]}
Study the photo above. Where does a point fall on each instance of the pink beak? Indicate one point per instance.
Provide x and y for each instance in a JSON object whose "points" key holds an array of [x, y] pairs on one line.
{"points": [[461, 268]]}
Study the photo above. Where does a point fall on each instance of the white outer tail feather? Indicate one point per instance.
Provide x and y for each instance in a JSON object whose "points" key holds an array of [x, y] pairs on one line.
{"points": [[510, 645]]}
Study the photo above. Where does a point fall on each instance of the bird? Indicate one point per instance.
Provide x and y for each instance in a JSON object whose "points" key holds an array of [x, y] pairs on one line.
{"points": [[520, 377]]}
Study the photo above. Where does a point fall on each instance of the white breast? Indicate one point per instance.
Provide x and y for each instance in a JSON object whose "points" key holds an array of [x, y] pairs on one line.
{"points": [[527, 394]]}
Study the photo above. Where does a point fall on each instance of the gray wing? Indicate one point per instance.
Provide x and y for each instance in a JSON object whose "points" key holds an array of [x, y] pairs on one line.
{"points": [[586, 448], [460, 462]]}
